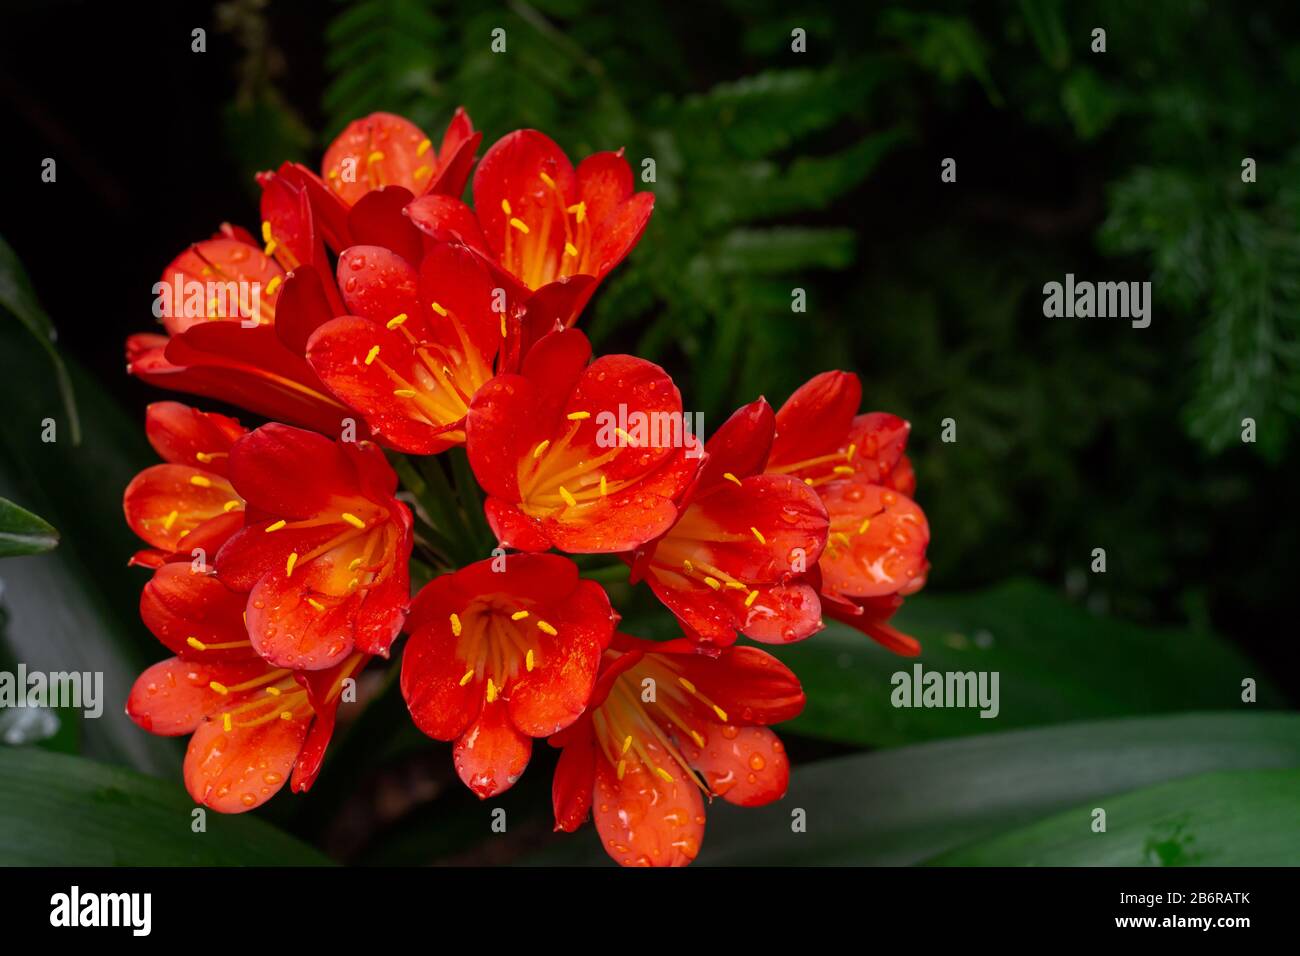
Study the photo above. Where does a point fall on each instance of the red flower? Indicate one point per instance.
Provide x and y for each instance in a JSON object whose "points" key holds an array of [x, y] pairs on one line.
{"points": [[254, 725], [188, 500], [323, 555], [212, 347], [644, 767], [547, 229], [497, 658], [566, 453], [878, 535], [418, 345], [387, 150], [730, 562]]}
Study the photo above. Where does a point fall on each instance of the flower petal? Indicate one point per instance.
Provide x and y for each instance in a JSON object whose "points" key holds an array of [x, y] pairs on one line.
{"points": [[749, 684], [816, 419], [645, 820], [375, 151], [195, 615], [173, 696], [181, 434], [491, 755], [746, 766], [881, 548], [237, 770], [165, 503]]}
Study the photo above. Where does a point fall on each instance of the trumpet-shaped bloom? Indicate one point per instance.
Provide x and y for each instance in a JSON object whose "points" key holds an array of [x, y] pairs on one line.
{"points": [[188, 502], [547, 228], [417, 346], [254, 726], [735, 559], [587, 458], [500, 655], [644, 762], [323, 555], [878, 534]]}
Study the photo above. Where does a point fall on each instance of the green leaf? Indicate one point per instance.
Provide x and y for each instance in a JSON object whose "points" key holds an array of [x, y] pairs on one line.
{"points": [[1056, 662], [1232, 818], [19, 298], [60, 810], [1045, 20], [22, 532]]}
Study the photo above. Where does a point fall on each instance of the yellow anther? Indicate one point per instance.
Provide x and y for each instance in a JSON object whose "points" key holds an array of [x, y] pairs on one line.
{"points": [[736, 586], [455, 625], [375, 157], [273, 691], [372, 355], [491, 691], [579, 210], [352, 585], [266, 230], [518, 615], [547, 179], [664, 773], [577, 416], [270, 248], [195, 643], [423, 147], [200, 481], [404, 392], [698, 738], [276, 525], [503, 325], [570, 250], [519, 224], [843, 539], [627, 743], [843, 470], [622, 768], [395, 321], [505, 206], [862, 528], [687, 566], [853, 450], [437, 308], [219, 687], [568, 498], [286, 715], [751, 598], [170, 520], [541, 447], [731, 478], [807, 481], [627, 439], [288, 565], [352, 519], [712, 582], [225, 723], [316, 604], [758, 534], [528, 661], [468, 676], [354, 564], [546, 628], [273, 285], [604, 488], [230, 505], [687, 684], [421, 172], [722, 714]]}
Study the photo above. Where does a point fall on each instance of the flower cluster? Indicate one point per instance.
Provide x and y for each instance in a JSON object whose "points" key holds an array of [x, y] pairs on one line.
{"points": [[379, 316]]}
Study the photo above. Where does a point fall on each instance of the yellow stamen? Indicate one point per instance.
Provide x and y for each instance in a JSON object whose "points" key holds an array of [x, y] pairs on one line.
{"points": [[505, 206], [579, 210], [455, 625], [519, 224], [273, 285], [200, 481], [843, 470], [219, 687], [577, 416], [712, 582], [354, 564], [288, 565], [225, 722], [541, 447], [627, 743], [853, 450], [170, 520], [687, 684], [469, 675], [622, 768], [547, 179], [437, 308], [568, 498], [372, 355], [730, 477], [749, 600], [758, 534], [546, 628], [528, 660], [570, 250], [862, 528], [395, 321], [423, 147], [195, 643], [375, 157], [491, 691], [276, 525], [404, 392], [722, 714], [286, 715], [604, 489], [316, 604], [266, 230], [421, 172], [273, 691], [664, 773], [518, 615], [230, 505], [352, 520]]}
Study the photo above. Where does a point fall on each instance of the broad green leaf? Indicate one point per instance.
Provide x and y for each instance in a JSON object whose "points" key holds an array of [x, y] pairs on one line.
{"points": [[22, 532], [76, 608], [909, 805], [1231, 818], [19, 298], [1055, 662], [60, 810]]}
